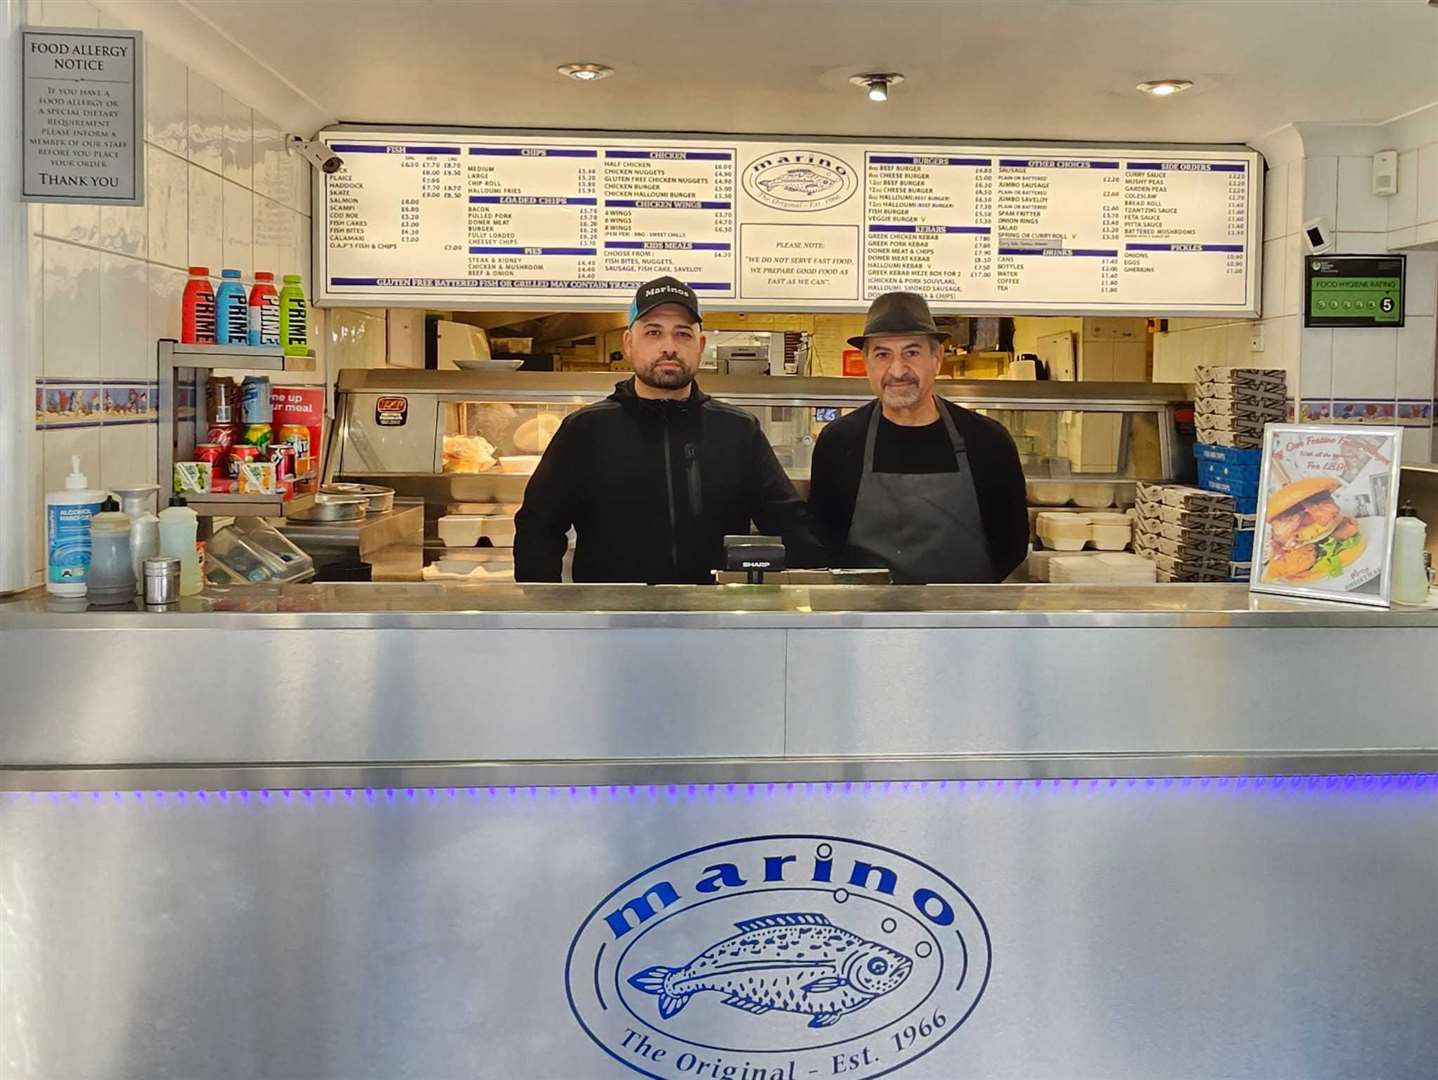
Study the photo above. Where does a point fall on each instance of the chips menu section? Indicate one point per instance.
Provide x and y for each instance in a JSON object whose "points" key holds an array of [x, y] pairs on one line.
{"points": [[570, 221]]}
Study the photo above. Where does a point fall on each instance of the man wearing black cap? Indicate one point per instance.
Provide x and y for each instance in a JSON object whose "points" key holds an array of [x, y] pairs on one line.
{"points": [[655, 476], [911, 482]]}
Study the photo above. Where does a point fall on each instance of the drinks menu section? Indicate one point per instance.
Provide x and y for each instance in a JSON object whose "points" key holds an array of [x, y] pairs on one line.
{"points": [[572, 222]]}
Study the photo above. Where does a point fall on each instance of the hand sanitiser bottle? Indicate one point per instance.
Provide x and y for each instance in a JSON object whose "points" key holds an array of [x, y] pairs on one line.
{"points": [[67, 533]]}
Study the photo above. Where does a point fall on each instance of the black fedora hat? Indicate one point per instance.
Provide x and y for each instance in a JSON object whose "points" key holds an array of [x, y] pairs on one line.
{"points": [[896, 313]]}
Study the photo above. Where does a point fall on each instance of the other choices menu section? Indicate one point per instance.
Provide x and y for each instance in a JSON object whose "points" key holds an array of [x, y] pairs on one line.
{"points": [[565, 221]]}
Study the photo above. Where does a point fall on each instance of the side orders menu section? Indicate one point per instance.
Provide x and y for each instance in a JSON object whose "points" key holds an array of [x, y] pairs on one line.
{"points": [[567, 220]]}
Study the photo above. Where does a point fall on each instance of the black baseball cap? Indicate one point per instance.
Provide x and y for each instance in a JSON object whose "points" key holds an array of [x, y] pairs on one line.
{"points": [[664, 290]]}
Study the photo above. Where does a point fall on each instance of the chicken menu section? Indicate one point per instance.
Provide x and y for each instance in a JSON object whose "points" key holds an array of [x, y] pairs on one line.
{"points": [[569, 221]]}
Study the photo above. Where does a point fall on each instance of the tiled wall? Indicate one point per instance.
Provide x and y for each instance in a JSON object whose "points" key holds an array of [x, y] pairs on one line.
{"points": [[1384, 375], [106, 282]]}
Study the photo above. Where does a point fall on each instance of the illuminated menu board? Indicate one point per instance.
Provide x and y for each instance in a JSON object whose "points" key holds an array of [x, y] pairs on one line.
{"points": [[574, 221]]}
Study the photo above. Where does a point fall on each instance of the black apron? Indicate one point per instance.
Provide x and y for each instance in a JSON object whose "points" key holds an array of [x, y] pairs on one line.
{"points": [[925, 527]]}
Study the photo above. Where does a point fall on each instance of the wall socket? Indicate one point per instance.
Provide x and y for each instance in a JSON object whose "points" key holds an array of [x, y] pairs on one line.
{"points": [[1255, 340]]}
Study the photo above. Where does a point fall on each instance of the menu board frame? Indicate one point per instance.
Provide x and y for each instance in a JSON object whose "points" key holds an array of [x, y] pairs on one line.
{"points": [[1299, 454], [811, 217]]}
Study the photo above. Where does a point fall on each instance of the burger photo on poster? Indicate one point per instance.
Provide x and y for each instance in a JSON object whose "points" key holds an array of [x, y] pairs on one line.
{"points": [[1310, 538]]}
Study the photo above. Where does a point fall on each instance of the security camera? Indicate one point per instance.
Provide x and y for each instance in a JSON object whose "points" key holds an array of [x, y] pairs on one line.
{"points": [[317, 154]]}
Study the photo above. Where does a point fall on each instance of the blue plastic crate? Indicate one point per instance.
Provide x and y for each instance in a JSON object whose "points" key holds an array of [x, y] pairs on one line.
{"points": [[1243, 546], [1227, 455], [1243, 474], [1239, 489]]}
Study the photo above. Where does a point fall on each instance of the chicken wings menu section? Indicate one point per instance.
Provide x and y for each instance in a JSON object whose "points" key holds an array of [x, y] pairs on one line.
{"points": [[568, 221]]}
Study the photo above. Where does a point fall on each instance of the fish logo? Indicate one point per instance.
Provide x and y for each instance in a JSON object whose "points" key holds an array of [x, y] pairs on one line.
{"points": [[794, 954], [799, 963], [800, 180]]}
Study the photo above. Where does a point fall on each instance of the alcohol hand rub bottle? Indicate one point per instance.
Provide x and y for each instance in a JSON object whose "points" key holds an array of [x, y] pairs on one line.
{"points": [[67, 533], [294, 337], [264, 310], [232, 310]]}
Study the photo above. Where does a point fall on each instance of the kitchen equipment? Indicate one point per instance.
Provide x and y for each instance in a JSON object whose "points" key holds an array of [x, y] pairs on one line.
{"points": [[455, 342], [754, 555], [470, 364], [162, 581], [379, 499], [334, 508]]}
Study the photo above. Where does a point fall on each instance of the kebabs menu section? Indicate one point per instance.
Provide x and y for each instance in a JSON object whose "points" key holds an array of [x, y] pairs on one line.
{"points": [[568, 220]]}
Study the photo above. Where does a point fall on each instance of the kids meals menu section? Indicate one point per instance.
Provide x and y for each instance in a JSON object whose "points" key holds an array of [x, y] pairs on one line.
{"points": [[566, 221]]}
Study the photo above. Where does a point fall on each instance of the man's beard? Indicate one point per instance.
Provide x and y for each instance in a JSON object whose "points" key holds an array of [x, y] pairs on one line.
{"points": [[675, 378], [901, 394]]}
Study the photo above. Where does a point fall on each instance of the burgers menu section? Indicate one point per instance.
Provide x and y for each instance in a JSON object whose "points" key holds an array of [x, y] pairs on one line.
{"points": [[569, 221]]}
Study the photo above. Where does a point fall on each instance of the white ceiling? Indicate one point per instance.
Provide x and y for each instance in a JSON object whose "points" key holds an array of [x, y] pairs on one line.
{"points": [[976, 68]]}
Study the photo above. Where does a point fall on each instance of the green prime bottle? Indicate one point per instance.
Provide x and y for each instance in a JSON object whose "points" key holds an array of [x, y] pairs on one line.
{"points": [[294, 314]]}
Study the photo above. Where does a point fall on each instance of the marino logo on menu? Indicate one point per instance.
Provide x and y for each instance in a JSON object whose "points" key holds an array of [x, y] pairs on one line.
{"points": [[800, 180], [778, 958]]}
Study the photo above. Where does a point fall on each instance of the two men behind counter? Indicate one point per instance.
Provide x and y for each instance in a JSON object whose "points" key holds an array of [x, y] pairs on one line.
{"points": [[656, 475]]}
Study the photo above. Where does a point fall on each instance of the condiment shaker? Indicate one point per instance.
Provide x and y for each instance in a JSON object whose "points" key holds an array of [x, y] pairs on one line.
{"points": [[162, 581]]}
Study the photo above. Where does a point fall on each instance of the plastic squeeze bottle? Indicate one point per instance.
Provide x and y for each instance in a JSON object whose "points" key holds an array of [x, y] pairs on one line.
{"points": [[232, 310], [294, 337], [1410, 576], [264, 310], [67, 532], [179, 528], [144, 528]]}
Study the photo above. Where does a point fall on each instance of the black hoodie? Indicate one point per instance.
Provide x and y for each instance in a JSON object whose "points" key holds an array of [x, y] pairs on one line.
{"points": [[652, 487]]}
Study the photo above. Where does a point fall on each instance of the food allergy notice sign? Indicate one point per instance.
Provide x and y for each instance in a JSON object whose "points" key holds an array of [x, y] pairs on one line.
{"points": [[574, 220], [83, 116]]}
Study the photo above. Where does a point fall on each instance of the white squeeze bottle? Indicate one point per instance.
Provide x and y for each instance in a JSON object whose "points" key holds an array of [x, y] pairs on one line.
{"points": [[1410, 576], [67, 532], [179, 529]]}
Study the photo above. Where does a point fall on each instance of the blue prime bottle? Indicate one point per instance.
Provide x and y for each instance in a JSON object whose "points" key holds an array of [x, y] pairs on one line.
{"points": [[232, 310]]}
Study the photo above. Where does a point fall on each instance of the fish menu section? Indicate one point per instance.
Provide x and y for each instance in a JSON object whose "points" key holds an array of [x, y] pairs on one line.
{"points": [[568, 222]]}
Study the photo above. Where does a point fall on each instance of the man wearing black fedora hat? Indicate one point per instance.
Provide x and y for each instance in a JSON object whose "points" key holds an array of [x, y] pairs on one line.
{"points": [[911, 482]]}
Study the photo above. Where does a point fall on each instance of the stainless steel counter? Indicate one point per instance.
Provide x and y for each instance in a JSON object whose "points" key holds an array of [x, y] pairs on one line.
{"points": [[360, 832]]}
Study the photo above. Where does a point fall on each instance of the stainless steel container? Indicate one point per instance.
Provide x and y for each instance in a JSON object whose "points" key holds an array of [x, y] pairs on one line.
{"points": [[330, 507], [162, 581], [380, 499]]}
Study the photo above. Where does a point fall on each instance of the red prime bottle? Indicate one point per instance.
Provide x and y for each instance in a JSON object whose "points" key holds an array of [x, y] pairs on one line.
{"points": [[197, 313]]}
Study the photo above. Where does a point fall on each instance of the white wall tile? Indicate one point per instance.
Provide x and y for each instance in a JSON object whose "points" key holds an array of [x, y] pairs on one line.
{"points": [[239, 228], [238, 150], [1361, 243], [1293, 275], [70, 13], [37, 494], [1403, 207], [1418, 446], [123, 229], [1417, 356], [125, 351], [1320, 189], [1315, 364], [1421, 283], [167, 110], [60, 445], [71, 311], [1426, 233], [1237, 342], [269, 154], [166, 289], [1359, 210], [125, 458], [77, 224], [1274, 269], [274, 234], [1295, 197], [207, 123], [36, 360], [1365, 363], [167, 194], [1427, 209], [1399, 239], [207, 220], [1275, 202]]}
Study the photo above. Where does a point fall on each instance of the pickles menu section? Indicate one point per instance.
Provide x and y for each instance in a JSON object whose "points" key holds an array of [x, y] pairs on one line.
{"points": [[568, 220]]}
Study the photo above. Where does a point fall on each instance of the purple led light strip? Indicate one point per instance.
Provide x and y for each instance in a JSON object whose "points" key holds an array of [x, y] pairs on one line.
{"points": [[1346, 784]]}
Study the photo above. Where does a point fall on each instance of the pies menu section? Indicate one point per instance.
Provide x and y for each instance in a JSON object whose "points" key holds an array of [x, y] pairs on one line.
{"points": [[487, 219]]}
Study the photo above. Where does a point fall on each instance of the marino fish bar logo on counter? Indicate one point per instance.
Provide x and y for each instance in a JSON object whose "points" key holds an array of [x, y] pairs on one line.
{"points": [[778, 958], [800, 180]]}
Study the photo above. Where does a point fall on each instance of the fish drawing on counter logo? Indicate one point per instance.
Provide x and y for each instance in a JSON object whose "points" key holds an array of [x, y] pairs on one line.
{"points": [[801, 181], [796, 962]]}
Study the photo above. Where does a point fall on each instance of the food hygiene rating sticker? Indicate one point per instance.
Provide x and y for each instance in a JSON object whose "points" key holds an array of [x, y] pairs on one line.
{"points": [[778, 958]]}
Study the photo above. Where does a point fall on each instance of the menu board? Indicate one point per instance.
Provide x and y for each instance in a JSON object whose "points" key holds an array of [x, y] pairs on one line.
{"points": [[572, 221]]}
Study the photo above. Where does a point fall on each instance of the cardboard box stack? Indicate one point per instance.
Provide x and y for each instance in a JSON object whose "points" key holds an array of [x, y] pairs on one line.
{"points": [[1187, 532], [1232, 404], [1234, 473]]}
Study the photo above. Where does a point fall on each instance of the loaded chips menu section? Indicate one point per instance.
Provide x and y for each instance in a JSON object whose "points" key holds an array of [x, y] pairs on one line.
{"points": [[574, 221]]}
